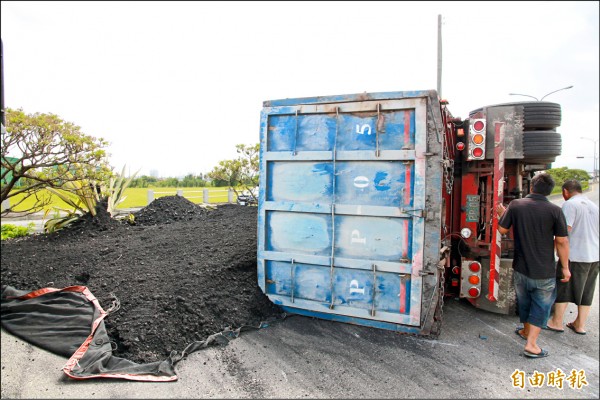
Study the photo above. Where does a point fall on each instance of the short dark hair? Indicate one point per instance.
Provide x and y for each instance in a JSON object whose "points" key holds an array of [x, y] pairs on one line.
{"points": [[572, 185], [542, 184]]}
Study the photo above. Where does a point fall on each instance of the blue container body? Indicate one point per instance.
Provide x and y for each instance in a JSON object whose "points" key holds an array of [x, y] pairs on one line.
{"points": [[350, 207]]}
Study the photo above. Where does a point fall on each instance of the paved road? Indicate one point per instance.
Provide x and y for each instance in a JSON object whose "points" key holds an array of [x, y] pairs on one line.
{"points": [[593, 194], [474, 357]]}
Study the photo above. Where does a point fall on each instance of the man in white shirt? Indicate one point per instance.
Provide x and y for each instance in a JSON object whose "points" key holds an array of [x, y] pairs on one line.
{"points": [[582, 224]]}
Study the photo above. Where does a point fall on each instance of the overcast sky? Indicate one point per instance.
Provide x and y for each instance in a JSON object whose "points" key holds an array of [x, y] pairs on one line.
{"points": [[174, 86]]}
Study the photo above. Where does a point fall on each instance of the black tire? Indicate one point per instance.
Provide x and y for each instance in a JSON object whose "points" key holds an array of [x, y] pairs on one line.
{"points": [[541, 123], [536, 137], [548, 146], [541, 147], [541, 115], [543, 151], [541, 143], [536, 114]]}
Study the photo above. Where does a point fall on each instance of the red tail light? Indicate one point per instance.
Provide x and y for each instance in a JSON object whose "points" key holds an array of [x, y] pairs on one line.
{"points": [[478, 126], [476, 140], [475, 267], [470, 277]]}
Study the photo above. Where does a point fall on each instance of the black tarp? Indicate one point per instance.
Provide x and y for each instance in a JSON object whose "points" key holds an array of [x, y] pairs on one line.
{"points": [[70, 322]]}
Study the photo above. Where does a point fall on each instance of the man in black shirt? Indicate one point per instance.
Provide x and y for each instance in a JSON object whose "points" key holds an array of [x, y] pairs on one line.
{"points": [[538, 226]]}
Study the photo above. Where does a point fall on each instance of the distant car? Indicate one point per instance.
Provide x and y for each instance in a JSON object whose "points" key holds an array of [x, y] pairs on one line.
{"points": [[248, 197]]}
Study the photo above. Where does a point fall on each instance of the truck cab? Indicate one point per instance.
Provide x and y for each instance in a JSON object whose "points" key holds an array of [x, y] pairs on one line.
{"points": [[496, 152]]}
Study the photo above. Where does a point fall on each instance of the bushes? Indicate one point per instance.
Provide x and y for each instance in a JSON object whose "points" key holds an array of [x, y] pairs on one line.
{"points": [[13, 231], [562, 174]]}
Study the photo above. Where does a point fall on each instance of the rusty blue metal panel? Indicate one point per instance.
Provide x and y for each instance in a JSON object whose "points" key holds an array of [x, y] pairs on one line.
{"points": [[377, 183], [346, 183], [384, 183], [317, 132], [299, 181], [357, 237], [351, 97]]}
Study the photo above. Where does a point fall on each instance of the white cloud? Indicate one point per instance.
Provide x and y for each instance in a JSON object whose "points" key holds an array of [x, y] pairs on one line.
{"points": [[174, 86]]}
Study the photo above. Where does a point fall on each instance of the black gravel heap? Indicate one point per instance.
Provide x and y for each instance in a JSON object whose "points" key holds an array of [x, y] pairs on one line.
{"points": [[181, 272]]}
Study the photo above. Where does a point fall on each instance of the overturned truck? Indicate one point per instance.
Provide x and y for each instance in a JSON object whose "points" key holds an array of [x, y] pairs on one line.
{"points": [[373, 207]]}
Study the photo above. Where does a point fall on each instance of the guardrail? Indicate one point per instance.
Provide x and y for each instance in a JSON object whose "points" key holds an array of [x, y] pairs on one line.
{"points": [[206, 194]]}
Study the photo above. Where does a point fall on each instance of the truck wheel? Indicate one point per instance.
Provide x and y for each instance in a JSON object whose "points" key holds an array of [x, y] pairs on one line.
{"points": [[535, 137], [542, 151], [541, 145], [536, 114], [532, 143], [540, 115]]}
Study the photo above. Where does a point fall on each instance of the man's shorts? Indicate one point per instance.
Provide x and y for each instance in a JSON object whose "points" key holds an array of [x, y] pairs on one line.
{"points": [[534, 298], [581, 286]]}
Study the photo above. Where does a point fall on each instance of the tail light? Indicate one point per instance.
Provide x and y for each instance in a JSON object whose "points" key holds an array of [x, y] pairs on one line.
{"points": [[476, 140], [474, 267], [470, 279]]}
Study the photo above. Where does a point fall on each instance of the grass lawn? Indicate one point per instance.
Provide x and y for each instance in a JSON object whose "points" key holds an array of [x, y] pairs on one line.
{"points": [[138, 197]]}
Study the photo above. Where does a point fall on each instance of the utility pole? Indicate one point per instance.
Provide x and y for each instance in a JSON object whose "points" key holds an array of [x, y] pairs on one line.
{"points": [[439, 57]]}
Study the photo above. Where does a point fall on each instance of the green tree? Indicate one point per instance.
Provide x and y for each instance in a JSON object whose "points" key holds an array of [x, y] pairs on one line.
{"points": [[193, 181], [140, 182], [144, 181], [169, 182], [43, 151], [242, 171], [562, 174], [226, 173]]}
